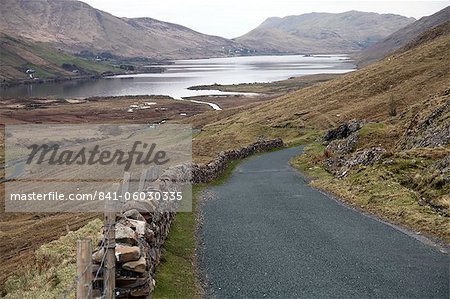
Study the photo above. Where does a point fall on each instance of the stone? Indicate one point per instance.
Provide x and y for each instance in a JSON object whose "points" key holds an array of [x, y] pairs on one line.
{"points": [[431, 131], [144, 208], [144, 290], [141, 292], [340, 165], [204, 173], [134, 214], [131, 282], [126, 253], [97, 256], [344, 146], [136, 266], [442, 165], [125, 234], [344, 130], [366, 156], [142, 228]]}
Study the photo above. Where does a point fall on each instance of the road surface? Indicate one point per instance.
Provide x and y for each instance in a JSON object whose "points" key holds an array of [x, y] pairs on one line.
{"points": [[266, 234]]}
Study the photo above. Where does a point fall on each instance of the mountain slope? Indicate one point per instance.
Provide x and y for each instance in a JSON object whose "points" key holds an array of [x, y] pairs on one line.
{"points": [[75, 26], [19, 55], [401, 37], [323, 32]]}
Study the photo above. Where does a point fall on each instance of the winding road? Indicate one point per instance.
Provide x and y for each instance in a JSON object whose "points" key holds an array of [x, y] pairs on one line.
{"points": [[267, 234]]}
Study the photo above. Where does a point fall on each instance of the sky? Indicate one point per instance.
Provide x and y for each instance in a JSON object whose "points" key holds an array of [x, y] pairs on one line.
{"points": [[233, 18]]}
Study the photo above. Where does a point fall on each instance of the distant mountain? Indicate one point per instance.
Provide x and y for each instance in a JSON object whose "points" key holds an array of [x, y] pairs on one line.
{"points": [[75, 26], [402, 37], [323, 32]]}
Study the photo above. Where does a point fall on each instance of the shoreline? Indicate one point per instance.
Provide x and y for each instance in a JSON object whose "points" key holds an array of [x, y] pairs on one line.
{"points": [[157, 68], [233, 95], [12, 83]]}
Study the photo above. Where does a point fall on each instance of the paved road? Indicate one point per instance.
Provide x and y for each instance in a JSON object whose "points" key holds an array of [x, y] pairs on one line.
{"points": [[266, 234]]}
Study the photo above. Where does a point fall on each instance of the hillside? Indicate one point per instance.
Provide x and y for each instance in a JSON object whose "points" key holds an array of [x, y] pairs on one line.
{"points": [[402, 37], [395, 162], [75, 26], [18, 55], [323, 32], [408, 78], [429, 35]]}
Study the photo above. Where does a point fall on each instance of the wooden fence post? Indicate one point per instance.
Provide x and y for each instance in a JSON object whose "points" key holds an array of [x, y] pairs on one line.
{"points": [[109, 271], [84, 269]]}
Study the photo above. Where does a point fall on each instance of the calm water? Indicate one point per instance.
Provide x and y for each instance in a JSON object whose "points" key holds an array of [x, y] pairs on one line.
{"points": [[185, 73]]}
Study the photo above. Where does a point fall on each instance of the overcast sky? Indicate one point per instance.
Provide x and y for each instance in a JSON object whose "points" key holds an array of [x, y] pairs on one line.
{"points": [[232, 18]]}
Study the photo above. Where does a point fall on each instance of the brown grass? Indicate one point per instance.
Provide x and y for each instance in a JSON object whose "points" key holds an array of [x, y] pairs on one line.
{"points": [[412, 78]]}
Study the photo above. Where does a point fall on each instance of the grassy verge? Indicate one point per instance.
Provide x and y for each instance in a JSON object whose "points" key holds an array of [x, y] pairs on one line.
{"points": [[176, 276], [384, 189], [54, 269], [308, 162]]}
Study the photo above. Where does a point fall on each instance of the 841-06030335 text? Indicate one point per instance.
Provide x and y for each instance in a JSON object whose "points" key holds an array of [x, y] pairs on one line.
{"points": [[99, 195]]}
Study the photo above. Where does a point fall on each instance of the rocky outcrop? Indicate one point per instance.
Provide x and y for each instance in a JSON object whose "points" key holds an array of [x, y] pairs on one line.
{"points": [[142, 228], [438, 174], [433, 131], [341, 144], [344, 130], [344, 146], [442, 166], [340, 165]]}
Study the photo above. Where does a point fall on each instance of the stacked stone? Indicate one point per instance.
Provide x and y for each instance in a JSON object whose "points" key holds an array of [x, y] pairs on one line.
{"points": [[204, 173], [142, 228], [139, 242]]}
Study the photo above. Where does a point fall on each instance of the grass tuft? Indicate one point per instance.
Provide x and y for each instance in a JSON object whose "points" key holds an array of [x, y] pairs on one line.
{"points": [[54, 269]]}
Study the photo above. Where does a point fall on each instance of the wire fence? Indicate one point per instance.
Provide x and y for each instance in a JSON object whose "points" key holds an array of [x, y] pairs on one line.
{"points": [[107, 228], [74, 283], [76, 280]]}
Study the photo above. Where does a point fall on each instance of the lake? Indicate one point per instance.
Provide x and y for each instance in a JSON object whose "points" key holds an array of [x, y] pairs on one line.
{"points": [[185, 73]]}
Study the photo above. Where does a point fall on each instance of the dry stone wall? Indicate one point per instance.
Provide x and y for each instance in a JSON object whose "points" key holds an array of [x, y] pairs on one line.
{"points": [[141, 232], [204, 173]]}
